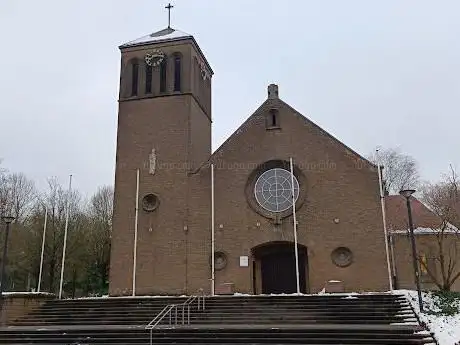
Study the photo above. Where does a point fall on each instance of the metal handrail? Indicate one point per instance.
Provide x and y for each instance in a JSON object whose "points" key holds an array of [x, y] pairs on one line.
{"points": [[160, 316], [171, 309]]}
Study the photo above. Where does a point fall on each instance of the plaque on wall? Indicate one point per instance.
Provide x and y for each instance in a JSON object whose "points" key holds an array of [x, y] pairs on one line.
{"points": [[244, 261]]}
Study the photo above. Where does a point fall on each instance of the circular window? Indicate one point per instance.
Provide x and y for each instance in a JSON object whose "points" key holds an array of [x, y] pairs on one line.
{"points": [[220, 260], [150, 202], [342, 257], [273, 190]]}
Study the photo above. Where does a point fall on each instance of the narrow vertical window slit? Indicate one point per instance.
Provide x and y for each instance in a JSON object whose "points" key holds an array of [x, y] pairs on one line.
{"points": [[177, 74], [135, 79], [163, 67], [148, 79]]}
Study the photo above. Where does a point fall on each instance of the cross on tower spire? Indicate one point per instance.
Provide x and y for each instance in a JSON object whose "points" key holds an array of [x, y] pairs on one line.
{"points": [[169, 7]]}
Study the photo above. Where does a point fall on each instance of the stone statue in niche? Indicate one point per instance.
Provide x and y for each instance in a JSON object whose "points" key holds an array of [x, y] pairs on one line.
{"points": [[152, 162]]}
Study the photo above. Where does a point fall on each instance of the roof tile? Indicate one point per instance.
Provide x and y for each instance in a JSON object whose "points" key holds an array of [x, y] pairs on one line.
{"points": [[397, 218]]}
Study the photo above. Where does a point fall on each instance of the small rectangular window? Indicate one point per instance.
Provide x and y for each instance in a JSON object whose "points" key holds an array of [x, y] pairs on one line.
{"points": [[272, 119], [135, 79], [427, 267], [177, 67], [148, 79], [163, 67], [423, 264]]}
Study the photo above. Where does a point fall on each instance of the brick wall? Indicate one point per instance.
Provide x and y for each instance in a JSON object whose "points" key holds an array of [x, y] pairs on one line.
{"points": [[18, 305]]}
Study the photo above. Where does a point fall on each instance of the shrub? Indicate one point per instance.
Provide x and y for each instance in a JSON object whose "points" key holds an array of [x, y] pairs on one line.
{"points": [[445, 303]]}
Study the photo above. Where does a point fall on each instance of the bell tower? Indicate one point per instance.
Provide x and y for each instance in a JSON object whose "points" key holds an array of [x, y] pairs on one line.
{"points": [[164, 132]]}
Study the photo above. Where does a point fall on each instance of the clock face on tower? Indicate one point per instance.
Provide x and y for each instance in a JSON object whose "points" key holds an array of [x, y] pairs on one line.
{"points": [[154, 58]]}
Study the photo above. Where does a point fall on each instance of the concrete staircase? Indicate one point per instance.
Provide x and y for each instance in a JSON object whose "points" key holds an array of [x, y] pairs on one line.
{"points": [[313, 319]]}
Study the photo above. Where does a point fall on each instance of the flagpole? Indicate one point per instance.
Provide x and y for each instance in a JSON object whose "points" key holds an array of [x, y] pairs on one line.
{"points": [[385, 231], [136, 217], [296, 250], [213, 272], [43, 250], [65, 237]]}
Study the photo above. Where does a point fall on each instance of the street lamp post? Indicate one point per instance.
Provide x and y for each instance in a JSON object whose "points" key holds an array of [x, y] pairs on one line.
{"points": [[7, 220], [407, 193]]}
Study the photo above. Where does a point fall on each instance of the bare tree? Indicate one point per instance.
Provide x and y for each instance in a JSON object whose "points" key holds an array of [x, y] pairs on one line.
{"points": [[446, 257], [88, 241], [2, 170], [56, 200], [4, 197], [101, 207], [16, 194], [400, 171], [443, 199], [22, 195], [100, 219]]}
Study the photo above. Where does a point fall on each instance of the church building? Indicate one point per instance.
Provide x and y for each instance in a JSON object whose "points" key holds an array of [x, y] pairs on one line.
{"points": [[178, 205]]}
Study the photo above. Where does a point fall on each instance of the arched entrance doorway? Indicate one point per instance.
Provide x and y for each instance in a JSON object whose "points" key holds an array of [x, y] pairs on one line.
{"points": [[274, 270]]}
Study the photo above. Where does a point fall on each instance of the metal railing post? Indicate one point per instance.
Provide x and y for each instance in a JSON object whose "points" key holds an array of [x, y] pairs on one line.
{"points": [[173, 308]]}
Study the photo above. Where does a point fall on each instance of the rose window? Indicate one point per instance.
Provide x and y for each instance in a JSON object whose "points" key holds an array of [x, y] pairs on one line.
{"points": [[273, 190]]}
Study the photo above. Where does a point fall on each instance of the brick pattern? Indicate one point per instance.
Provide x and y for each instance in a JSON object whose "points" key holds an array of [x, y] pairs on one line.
{"points": [[426, 244], [340, 201], [338, 185], [178, 126], [15, 306]]}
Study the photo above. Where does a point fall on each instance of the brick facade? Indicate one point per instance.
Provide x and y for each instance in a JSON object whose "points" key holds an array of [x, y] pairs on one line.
{"points": [[338, 205], [430, 242]]}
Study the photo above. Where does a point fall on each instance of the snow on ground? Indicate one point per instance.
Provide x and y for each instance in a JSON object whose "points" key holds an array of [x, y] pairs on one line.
{"points": [[130, 297], [26, 293], [446, 329]]}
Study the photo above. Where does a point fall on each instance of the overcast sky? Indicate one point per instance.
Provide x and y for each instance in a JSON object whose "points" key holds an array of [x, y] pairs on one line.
{"points": [[369, 72]]}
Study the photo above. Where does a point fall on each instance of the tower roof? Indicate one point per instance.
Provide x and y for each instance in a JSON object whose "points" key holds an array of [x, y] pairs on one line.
{"points": [[168, 34]]}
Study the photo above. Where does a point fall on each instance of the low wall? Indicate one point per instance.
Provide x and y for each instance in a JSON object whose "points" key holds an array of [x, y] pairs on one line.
{"points": [[18, 304]]}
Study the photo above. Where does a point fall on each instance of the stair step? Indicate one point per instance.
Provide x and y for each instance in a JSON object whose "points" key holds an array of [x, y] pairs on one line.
{"points": [[260, 320]]}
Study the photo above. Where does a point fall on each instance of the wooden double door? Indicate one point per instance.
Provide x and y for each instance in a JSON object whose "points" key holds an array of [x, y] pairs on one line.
{"points": [[278, 270]]}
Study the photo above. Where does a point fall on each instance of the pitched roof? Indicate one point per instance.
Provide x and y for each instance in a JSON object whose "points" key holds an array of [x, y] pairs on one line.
{"points": [[168, 34], [396, 214], [281, 103]]}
